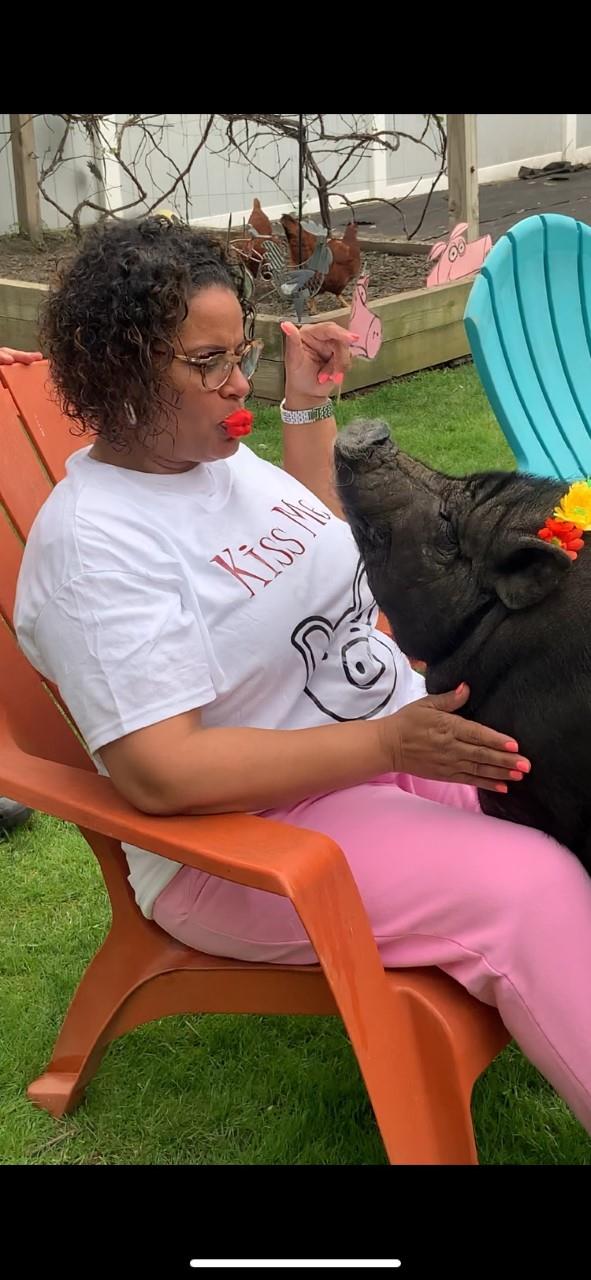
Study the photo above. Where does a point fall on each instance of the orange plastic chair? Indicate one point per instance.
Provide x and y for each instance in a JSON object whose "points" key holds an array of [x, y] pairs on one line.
{"points": [[420, 1040]]}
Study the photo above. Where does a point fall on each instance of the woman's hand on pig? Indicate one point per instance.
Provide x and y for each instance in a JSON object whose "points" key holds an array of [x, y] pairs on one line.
{"points": [[426, 739]]}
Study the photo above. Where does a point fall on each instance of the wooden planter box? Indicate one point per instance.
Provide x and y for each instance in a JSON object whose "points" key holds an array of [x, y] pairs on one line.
{"points": [[421, 328], [19, 307]]}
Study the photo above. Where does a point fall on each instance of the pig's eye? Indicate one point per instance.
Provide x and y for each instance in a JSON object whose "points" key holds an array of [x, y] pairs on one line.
{"points": [[450, 532]]}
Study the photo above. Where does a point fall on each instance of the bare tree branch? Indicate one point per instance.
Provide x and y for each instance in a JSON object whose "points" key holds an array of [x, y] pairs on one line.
{"points": [[333, 149]]}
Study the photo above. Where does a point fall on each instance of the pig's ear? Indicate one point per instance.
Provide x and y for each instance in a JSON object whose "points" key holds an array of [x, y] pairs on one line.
{"points": [[529, 572]]}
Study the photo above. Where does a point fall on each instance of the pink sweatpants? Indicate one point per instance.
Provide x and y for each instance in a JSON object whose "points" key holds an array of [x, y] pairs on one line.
{"points": [[503, 909]]}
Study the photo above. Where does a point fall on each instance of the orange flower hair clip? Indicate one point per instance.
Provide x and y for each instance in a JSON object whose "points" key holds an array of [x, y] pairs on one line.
{"points": [[571, 519]]}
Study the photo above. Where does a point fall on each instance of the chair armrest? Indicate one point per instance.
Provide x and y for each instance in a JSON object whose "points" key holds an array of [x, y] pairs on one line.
{"points": [[305, 866], [249, 850]]}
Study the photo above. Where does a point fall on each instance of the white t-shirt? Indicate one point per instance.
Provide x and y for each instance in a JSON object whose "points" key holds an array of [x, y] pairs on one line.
{"points": [[229, 588]]}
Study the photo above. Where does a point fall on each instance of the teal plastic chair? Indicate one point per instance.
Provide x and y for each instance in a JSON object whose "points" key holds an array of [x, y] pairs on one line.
{"points": [[528, 321]]}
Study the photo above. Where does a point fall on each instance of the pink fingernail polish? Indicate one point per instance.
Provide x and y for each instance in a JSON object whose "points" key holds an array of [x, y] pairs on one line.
{"points": [[460, 688], [511, 746], [501, 786], [323, 377], [354, 337], [524, 765], [338, 378], [516, 775]]}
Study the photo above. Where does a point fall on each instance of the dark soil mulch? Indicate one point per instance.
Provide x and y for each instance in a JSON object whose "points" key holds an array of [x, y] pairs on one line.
{"points": [[388, 273]]}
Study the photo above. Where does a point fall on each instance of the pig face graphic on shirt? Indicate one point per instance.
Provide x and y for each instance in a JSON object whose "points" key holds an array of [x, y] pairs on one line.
{"points": [[346, 649]]}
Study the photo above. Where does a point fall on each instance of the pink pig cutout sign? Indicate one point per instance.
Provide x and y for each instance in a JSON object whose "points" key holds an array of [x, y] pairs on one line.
{"points": [[457, 258], [365, 323]]}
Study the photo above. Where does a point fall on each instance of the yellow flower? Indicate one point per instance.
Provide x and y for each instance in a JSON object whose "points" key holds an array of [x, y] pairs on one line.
{"points": [[576, 505]]}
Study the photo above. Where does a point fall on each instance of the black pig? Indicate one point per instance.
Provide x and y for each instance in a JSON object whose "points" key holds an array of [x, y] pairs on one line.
{"points": [[467, 586]]}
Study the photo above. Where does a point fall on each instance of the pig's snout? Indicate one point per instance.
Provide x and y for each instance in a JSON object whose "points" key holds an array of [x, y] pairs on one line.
{"points": [[363, 456], [357, 440]]}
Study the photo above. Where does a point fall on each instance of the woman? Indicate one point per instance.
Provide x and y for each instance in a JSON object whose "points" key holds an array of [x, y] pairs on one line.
{"points": [[208, 624]]}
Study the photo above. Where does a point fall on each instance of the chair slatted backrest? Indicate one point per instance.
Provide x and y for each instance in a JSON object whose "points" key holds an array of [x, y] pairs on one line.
{"points": [[54, 437], [31, 459], [528, 321]]}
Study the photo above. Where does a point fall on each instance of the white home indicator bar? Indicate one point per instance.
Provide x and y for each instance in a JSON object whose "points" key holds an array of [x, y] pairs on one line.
{"points": [[296, 1262]]}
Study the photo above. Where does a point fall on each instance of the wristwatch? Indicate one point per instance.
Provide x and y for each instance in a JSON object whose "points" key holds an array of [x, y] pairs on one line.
{"points": [[296, 417]]}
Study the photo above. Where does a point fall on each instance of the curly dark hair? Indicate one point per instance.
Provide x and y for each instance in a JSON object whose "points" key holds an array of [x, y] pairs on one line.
{"points": [[111, 317]]}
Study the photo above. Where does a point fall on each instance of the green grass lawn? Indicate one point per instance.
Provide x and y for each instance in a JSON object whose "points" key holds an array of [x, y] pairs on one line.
{"points": [[231, 1090]]}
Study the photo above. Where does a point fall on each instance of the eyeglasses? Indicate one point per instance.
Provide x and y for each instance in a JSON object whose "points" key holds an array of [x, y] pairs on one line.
{"points": [[217, 370]]}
